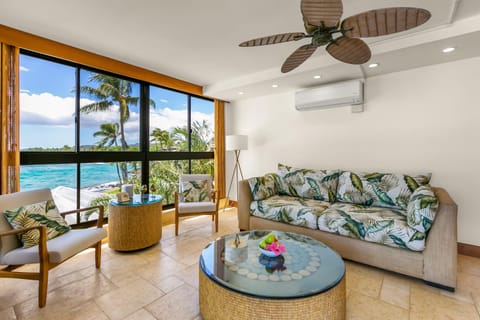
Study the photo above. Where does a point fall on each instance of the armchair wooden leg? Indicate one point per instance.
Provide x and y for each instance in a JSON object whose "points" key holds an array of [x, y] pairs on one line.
{"points": [[98, 254], [176, 224], [42, 286], [216, 221]]}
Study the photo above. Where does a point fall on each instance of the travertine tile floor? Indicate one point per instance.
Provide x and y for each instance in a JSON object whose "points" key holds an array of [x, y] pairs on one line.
{"points": [[162, 283]]}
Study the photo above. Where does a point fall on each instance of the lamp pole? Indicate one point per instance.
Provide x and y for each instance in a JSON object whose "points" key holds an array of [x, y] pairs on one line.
{"points": [[236, 143]]}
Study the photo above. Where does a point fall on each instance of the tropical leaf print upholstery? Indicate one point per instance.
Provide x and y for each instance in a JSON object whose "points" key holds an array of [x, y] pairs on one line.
{"points": [[42, 213], [380, 225], [196, 191], [307, 183], [262, 187], [378, 189], [422, 209], [291, 210]]}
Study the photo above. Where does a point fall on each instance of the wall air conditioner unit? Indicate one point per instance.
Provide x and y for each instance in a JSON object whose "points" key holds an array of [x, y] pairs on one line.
{"points": [[339, 94]]}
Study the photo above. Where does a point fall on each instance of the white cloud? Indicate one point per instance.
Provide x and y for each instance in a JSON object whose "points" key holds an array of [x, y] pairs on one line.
{"points": [[167, 118], [24, 69], [49, 110], [24, 91], [163, 100]]}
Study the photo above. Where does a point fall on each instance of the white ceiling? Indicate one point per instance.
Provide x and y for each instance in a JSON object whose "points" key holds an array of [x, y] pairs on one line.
{"points": [[197, 41]]}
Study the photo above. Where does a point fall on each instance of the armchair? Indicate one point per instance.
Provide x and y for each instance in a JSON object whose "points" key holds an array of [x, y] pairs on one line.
{"points": [[196, 197], [48, 254]]}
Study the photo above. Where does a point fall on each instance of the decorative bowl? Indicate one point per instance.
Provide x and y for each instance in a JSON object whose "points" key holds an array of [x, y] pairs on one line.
{"points": [[267, 253]]}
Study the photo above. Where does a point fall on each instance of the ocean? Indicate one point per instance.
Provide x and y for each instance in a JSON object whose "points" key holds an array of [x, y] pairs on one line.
{"points": [[55, 175]]}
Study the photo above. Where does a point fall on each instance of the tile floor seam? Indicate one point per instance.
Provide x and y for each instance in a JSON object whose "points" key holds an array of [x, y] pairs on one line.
{"points": [[474, 304]]}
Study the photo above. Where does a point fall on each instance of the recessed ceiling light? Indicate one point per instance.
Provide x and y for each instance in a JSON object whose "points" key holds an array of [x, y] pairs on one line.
{"points": [[373, 65], [240, 92], [274, 85], [449, 49], [317, 77]]}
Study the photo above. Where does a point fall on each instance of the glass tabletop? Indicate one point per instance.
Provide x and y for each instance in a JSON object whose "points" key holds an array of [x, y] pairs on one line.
{"points": [[139, 200], [306, 268]]}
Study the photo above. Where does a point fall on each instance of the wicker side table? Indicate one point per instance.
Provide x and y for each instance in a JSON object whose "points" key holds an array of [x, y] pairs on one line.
{"points": [[135, 225]]}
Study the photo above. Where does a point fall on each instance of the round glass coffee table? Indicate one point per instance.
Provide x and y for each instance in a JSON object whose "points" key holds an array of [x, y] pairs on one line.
{"points": [[238, 282]]}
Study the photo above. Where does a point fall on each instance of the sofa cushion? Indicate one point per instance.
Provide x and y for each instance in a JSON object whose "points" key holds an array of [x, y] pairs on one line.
{"points": [[422, 208], [43, 213], [387, 190], [291, 210], [307, 183], [373, 224], [262, 187]]}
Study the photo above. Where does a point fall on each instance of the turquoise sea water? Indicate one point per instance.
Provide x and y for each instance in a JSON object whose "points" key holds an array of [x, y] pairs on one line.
{"points": [[55, 175]]}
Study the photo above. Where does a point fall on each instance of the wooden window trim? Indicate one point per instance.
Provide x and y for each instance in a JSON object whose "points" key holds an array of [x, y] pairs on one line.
{"points": [[59, 50]]}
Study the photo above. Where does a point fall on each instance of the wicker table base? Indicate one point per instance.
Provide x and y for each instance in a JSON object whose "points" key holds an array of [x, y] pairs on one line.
{"points": [[216, 302], [134, 227]]}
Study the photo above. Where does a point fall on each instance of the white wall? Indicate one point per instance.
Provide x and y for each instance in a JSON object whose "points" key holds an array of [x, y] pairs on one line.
{"points": [[425, 119]]}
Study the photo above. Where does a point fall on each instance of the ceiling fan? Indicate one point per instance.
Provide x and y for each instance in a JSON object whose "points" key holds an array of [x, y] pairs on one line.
{"points": [[322, 21]]}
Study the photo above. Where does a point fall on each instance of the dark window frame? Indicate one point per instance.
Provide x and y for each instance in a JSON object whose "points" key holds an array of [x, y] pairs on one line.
{"points": [[144, 155]]}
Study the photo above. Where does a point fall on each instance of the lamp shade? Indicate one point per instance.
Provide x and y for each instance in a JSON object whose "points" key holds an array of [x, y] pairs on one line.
{"points": [[236, 142]]}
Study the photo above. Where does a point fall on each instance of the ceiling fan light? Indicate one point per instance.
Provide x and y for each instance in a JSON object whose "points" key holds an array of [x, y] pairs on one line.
{"points": [[274, 85], [317, 77], [448, 50], [373, 65], [240, 92]]}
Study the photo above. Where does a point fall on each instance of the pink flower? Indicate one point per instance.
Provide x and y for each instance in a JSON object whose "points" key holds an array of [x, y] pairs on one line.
{"points": [[276, 247]]}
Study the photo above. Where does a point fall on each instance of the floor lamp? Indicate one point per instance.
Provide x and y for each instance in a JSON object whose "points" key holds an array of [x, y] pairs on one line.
{"points": [[236, 143]]}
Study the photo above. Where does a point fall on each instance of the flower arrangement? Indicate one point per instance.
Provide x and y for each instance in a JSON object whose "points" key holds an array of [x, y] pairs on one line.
{"points": [[270, 246]]}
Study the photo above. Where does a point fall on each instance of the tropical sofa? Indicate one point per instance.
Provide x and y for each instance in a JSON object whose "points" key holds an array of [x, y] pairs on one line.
{"points": [[397, 222]]}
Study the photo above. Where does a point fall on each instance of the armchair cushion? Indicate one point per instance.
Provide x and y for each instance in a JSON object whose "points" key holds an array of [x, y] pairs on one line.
{"points": [[191, 207], [59, 249], [196, 191], [41, 213]]}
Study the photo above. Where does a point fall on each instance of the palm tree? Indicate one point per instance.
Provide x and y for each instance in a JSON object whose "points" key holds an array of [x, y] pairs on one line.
{"points": [[110, 134], [201, 137], [162, 138], [112, 91]]}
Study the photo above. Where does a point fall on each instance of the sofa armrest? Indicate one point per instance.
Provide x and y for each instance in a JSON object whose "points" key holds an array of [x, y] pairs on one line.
{"points": [[440, 254], [243, 205]]}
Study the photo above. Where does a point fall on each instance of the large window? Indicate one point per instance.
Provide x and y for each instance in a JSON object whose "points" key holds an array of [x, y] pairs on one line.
{"points": [[85, 132]]}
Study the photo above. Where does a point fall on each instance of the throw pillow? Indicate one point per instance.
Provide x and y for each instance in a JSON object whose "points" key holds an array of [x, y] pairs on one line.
{"points": [[307, 183], [196, 191], [42, 213], [263, 187], [378, 189], [422, 209]]}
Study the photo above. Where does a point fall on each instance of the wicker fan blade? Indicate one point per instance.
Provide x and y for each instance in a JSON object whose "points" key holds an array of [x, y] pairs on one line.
{"points": [[349, 50], [317, 11], [276, 38], [298, 57], [384, 21]]}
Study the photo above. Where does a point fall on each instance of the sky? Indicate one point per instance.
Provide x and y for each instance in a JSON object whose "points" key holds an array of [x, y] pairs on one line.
{"points": [[47, 107]]}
